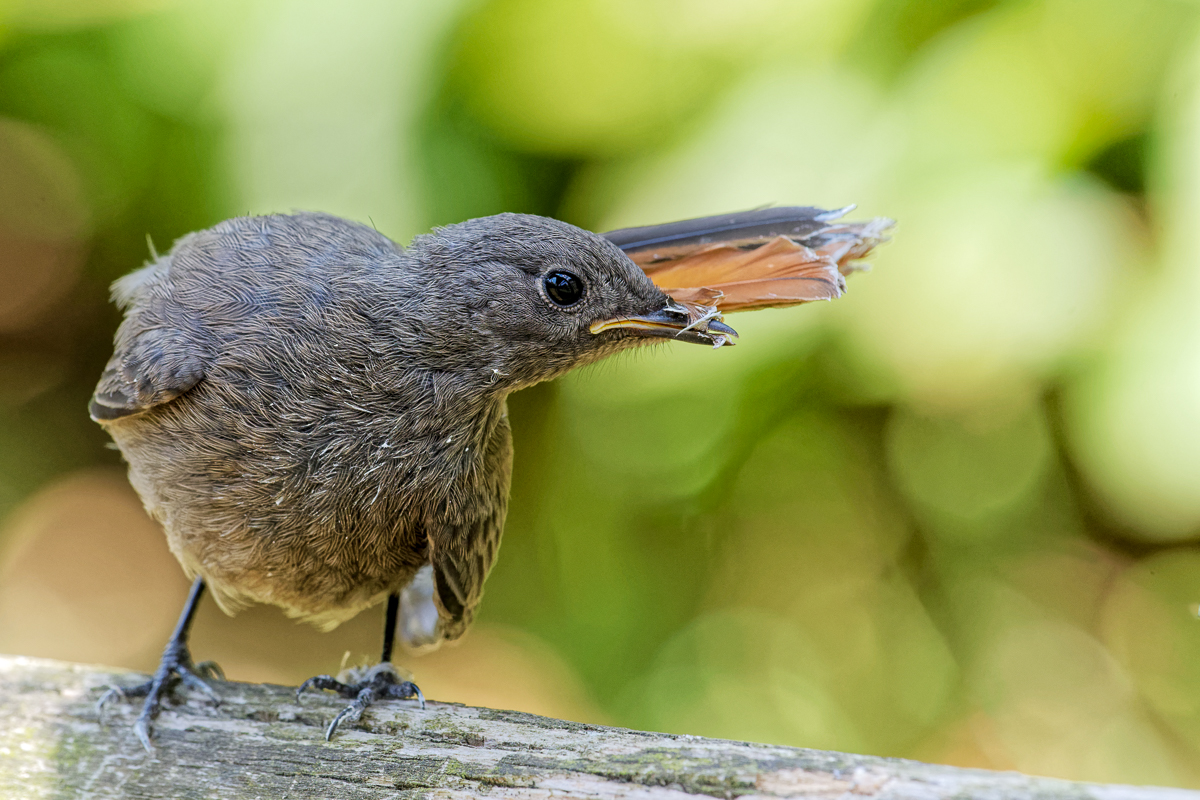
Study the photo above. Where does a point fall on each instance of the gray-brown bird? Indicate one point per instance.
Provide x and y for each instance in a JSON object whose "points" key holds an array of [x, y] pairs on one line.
{"points": [[317, 417]]}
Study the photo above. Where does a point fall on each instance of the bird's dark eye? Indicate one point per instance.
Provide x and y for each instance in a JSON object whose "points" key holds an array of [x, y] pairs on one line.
{"points": [[563, 288]]}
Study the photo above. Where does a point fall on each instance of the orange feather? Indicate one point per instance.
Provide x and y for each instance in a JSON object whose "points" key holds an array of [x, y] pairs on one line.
{"points": [[744, 274]]}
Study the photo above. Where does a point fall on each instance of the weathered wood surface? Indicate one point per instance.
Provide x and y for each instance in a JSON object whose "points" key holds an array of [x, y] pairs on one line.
{"points": [[259, 743]]}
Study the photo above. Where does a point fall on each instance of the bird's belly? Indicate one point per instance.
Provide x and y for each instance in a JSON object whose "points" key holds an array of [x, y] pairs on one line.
{"points": [[326, 580], [318, 565], [317, 517]]}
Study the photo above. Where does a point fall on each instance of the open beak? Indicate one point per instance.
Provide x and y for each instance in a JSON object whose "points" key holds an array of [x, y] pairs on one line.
{"points": [[694, 324]]}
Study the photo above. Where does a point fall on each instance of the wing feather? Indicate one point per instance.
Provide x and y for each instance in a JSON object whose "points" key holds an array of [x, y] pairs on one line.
{"points": [[153, 361], [761, 259]]}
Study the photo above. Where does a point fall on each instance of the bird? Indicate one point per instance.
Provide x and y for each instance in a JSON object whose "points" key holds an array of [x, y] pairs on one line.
{"points": [[316, 415]]}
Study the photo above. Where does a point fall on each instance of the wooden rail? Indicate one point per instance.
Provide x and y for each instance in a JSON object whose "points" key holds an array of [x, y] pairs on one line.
{"points": [[260, 743]]}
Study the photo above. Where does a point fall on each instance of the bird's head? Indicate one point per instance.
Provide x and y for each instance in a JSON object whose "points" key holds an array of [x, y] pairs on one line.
{"points": [[532, 298]]}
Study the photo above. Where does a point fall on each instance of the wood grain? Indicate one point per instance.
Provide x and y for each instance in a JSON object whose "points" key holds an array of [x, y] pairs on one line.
{"points": [[259, 743]]}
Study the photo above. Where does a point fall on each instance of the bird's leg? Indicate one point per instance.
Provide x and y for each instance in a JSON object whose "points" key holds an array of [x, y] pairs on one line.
{"points": [[380, 682], [176, 665], [389, 627]]}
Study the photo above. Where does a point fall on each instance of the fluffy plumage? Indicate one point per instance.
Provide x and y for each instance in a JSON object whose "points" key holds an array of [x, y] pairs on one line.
{"points": [[313, 413]]}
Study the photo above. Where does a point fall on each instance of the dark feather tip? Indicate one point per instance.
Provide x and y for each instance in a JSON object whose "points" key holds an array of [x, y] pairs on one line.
{"points": [[795, 222]]}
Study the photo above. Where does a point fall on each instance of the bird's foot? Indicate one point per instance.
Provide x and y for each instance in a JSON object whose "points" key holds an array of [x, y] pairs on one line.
{"points": [[382, 681], [175, 667]]}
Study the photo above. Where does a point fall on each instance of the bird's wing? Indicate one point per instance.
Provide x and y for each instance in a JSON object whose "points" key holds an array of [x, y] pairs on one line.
{"points": [[754, 259], [462, 557], [463, 550], [153, 362]]}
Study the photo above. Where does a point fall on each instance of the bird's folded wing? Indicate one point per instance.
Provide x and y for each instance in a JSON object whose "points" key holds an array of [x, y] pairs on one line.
{"points": [[461, 556], [151, 370], [755, 259], [153, 362]]}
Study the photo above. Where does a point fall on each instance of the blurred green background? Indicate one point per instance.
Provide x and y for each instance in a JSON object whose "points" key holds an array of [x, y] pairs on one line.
{"points": [[953, 516]]}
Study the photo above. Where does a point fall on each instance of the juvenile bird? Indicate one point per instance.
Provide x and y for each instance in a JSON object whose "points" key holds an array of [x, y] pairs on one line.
{"points": [[317, 417]]}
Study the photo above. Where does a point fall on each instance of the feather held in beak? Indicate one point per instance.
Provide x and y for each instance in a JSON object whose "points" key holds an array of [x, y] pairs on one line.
{"points": [[764, 258]]}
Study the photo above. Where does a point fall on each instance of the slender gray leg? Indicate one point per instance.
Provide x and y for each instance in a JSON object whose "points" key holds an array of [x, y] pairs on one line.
{"points": [[176, 666]]}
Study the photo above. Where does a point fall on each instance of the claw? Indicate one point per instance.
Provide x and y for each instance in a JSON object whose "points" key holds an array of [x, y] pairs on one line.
{"points": [[381, 682], [405, 690], [211, 670], [141, 729], [420, 695], [320, 682], [192, 681], [352, 712], [110, 694]]}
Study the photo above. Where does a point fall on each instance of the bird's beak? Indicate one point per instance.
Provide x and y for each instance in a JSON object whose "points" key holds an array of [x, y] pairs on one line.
{"points": [[693, 323]]}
